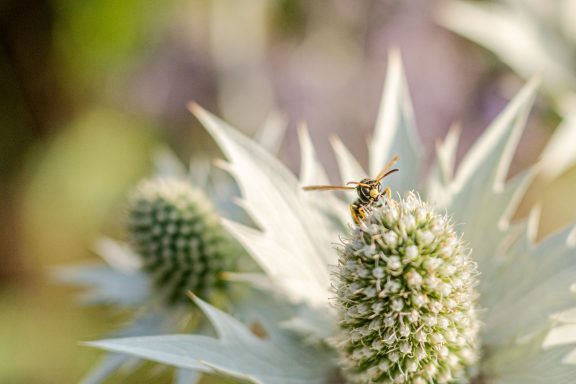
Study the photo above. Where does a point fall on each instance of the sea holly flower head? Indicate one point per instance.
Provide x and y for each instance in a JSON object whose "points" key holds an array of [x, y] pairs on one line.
{"points": [[405, 292], [177, 233]]}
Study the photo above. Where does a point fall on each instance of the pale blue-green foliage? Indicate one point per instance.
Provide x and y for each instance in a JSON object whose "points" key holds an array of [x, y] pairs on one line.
{"points": [[145, 324], [395, 134], [292, 244], [311, 171], [478, 195], [105, 285], [528, 363], [292, 248], [395, 131], [279, 358], [120, 283], [117, 283]]}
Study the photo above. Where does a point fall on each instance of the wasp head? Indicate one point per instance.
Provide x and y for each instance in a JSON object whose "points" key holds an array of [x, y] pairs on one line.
{"points": [[369, 190]]}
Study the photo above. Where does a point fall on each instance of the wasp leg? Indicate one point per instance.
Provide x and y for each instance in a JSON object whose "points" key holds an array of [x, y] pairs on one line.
{"points": [[353, 213], [361, 212], [357, 212], [388, 193]]}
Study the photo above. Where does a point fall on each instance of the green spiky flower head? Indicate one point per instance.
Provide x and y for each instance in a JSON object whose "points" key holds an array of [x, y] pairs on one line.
{"points": [[177, 232], [405, 292]]}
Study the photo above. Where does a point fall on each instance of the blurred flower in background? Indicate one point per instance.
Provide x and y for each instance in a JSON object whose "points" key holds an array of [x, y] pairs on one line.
{"points": [[91, 88]]}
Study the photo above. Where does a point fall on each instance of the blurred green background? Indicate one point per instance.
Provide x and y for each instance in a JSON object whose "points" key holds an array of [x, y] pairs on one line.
{"points": [[90, 88]]}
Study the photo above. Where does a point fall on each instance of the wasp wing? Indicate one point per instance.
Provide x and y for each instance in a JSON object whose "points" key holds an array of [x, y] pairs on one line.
{"points": [[389, 165]]}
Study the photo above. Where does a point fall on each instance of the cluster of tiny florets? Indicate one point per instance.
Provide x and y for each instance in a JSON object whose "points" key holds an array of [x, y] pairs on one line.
{"points": [[405, 293], [176, 231]]}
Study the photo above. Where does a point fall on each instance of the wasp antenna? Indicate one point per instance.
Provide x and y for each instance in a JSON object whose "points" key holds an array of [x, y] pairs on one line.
{"points": [[326, 188], [358, 183], [388, 165], [387, 174]]}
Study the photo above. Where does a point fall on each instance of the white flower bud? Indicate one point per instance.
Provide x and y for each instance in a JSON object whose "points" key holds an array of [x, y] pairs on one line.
{"points": [[408, 223], [425, 238], [411, 253], [391, 239], [392, 286], [397, 305], [411, 365], [394, 263], [378, 272], [404, 330], [405, 347]]}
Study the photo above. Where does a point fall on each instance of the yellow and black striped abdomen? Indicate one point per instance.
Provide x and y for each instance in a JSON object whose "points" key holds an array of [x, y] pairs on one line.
{"points": [[359, 209]]}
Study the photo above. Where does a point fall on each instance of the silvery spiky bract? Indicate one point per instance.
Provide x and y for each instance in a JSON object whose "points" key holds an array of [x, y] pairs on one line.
{"points": [[405, 293], [527, 334], [176, 231]]}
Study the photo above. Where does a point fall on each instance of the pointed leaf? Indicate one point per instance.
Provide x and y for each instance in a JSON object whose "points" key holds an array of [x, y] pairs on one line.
{"points": [[528, 363], [272, 196], [441, 174], [480, 182], [119, 256], [146, 324], [492, 153], [542, 277], [106, 367], [295, 278], [395, 131], [237, 353], [312, 173], [106, 285]]}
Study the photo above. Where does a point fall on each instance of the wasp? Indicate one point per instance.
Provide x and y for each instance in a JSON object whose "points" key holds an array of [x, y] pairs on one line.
{"points": [[369, 191]]}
